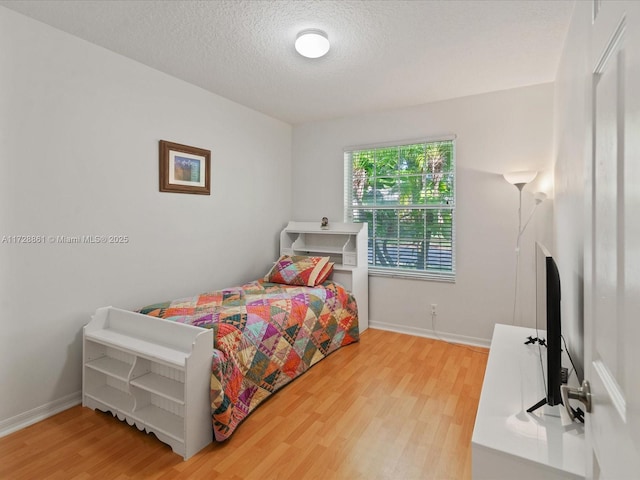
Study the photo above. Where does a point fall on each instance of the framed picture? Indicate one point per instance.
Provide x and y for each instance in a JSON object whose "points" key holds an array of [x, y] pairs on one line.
{"points": [[184, 169]]}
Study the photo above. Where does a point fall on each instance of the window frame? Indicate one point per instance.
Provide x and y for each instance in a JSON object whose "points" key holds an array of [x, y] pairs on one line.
{"points": [[448, 276]]}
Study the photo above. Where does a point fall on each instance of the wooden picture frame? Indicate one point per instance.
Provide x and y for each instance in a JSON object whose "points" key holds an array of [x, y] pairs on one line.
{"points": [[184, 169]]}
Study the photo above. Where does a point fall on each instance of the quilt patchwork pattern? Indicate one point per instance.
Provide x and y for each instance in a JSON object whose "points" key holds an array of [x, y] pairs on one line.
{"points": [[265, 335]]}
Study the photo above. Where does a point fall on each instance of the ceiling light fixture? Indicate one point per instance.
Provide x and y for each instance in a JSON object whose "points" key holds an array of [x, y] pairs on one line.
{"points": [[312, 43]]}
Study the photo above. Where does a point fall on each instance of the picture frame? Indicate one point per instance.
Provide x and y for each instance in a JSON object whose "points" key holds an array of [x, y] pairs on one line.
{"points": [[184, 169]]}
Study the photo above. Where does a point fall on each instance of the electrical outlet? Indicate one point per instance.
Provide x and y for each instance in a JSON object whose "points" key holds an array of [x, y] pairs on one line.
{"points": [[434, 307]]}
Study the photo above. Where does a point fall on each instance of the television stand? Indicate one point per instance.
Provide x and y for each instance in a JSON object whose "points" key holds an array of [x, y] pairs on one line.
{"points": [[564, 376], [537, 405], [506, 438]]}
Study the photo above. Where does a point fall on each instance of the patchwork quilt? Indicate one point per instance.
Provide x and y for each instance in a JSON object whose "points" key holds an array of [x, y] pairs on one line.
{"points": [[265, 335]]}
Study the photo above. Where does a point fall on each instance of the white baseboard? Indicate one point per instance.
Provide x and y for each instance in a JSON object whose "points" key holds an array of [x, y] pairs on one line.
{"points": [[423, 332], [25, 419]]}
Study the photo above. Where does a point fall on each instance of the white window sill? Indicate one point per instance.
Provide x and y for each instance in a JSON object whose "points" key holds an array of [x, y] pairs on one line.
{"points": [[409, 275]]}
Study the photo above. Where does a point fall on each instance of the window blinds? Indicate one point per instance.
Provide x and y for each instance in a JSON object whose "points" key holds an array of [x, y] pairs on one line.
{"points": [[406, 194]]}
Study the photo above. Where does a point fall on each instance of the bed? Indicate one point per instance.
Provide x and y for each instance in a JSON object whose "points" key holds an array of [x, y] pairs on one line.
{"points": [[264, 336], [192, 369], [180, 367]]}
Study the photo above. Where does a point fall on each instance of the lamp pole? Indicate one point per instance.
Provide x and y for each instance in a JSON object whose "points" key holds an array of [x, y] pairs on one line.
{"points": [[520, 186], [519, 179]]}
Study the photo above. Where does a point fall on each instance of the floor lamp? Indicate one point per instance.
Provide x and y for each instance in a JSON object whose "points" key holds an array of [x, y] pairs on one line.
{"points": [[520, 179]]}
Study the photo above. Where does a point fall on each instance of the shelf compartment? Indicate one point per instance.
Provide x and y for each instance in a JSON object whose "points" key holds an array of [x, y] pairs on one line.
{"points": [[162, 386], [341, 267], [320, 249], [113, 398], [111, 366], [162, 421]]}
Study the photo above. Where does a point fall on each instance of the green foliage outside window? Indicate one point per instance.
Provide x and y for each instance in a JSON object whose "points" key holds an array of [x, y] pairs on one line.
{"points": [[406, 195]]}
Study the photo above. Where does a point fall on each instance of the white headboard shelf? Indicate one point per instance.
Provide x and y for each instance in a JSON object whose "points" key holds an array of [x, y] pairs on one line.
{"points": [[345, 244]]}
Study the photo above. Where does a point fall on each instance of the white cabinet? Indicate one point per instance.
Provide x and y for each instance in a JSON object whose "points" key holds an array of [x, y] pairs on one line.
{"points": [[507, 441], [346, 245], [152, 373]]}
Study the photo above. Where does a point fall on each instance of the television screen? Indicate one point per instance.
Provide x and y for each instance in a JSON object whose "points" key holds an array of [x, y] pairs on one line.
{"points": [[548, 317]]}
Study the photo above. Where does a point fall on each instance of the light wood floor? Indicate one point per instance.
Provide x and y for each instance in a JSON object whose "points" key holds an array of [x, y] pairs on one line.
{"points": [[390, 407]]}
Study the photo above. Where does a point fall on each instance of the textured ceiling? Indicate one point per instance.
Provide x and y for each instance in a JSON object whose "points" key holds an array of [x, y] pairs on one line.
{"points": [[384, 54]]}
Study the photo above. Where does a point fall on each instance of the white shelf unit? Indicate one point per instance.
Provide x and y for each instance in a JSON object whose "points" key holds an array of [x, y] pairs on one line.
{"points": [[346, 245], [151, 372], [507, 441]]}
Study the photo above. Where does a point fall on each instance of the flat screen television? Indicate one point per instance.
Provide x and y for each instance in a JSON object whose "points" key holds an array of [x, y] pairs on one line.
{"points": [[548, 316]]}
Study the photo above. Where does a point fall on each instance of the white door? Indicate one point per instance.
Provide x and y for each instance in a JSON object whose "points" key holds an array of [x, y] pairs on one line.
{"points": [[612, 247]]}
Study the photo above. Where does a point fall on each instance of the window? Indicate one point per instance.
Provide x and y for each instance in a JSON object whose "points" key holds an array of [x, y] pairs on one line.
{"points": [[406, 193]]}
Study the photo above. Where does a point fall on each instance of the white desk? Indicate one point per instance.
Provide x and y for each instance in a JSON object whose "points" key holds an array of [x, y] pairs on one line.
{"points": [[509, 443]]}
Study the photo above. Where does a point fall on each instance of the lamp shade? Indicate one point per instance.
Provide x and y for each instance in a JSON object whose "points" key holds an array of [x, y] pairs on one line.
{"points": [[539, 197], [312, 43], [520, 178]]}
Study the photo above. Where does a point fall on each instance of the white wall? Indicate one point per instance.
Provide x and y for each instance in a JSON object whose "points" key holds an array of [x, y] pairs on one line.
{"points": [[496, 133], [573, 151], [79, 130]]}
